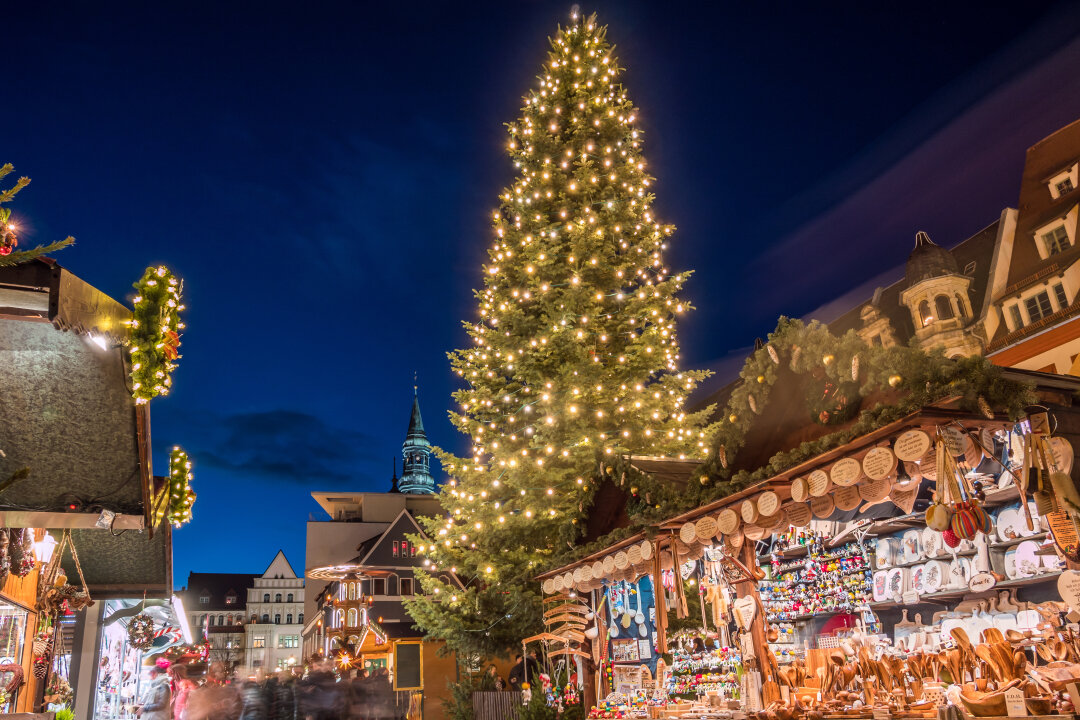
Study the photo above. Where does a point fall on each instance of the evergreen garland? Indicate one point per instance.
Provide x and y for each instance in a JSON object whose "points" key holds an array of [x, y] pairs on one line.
{"points": [[154, 333], [181, 496]]}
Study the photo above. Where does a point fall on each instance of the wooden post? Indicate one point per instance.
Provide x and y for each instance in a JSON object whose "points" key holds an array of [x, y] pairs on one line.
{"points": [[660, 600], [769, 686]]}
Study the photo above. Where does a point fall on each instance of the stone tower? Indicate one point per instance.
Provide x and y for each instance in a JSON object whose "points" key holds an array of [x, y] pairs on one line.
{"points": [[937, 297], [416, 456]]}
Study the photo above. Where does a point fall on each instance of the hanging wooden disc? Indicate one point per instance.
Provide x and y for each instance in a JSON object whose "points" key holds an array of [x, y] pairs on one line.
{"points": [[800, 490], [1061, 454], [873, 491], [753, 532], [609, 566], [568, 581], [768, 503], [549, 586], [913, 471], [719, 534], [683, 548], [973, 454], [557, 584], [798, 514], [847, 498], [772, 522], [633, 554], [706, 529], [586, 573], [845, 472], [688, 533], [904, 497], [693, 553], [734, 542], [749, 511], [622, 561], [646, 549], [728, 520], [879, 462], [818, 483], [578, 578], [954, 439], [598, 569], [911, 445], [822, 507]]}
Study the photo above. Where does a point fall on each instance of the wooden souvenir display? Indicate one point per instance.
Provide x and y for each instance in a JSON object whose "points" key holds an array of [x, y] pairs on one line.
{"points": [[688, 533], [728, 521], [911, 445], [847, 498], [818, 483], [845, 472], [800, 489], [768, 503], [822, 507], [749, 511], [798, 513], [879, 463]]}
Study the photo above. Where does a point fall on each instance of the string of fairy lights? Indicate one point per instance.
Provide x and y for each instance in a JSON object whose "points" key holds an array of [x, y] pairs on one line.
{"points": [[575, 354]]}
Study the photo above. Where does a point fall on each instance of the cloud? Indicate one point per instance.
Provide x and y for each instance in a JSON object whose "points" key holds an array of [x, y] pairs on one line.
{"points": [[285, 445]]}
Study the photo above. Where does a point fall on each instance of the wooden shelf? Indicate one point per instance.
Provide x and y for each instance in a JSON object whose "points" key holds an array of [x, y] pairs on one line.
{"points": [[1010, 543], [944, 595], [947, 556]]}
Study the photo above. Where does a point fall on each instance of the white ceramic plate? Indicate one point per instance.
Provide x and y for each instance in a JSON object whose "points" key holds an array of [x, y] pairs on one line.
{"points": [[896, 583], [934, 576], [931, 542], [1010, 563], [885, 552], [1006, 520], [879, 585], [1026, 561], [916, 579]]}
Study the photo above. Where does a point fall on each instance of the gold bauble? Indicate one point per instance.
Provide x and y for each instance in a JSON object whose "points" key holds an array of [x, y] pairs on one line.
{"points": [[633, 491], [761, 378], [732, 417], [704, 479], [828, 359], [895, 380]]}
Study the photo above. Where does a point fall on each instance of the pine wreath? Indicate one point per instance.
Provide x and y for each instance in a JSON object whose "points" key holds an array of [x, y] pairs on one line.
{"points": [[141, 632], [832, 403]]}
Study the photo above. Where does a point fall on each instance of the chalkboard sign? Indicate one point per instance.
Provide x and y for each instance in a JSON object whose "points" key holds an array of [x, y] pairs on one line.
{"points": [[408, 666]]}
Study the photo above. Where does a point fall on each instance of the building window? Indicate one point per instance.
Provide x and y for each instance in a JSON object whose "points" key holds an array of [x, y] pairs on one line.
{"points": [[204, 599], [266, 617], [1064, 186], [352, 617], [211, 623], [220, 619], [1059, 295], [924, 313], [404, 548], [1038, 306], [406, 586], [300, 619], [412, 551], [277, 597], [277, 618], [352, 590], [259, 641], [378, 586], [1056, 240], [395, 546], [392, 585], [266, 597], [230, 599], [288, 619], [290, 596], [943, 307], [288, 641], [961, 310], [1014, 315]]}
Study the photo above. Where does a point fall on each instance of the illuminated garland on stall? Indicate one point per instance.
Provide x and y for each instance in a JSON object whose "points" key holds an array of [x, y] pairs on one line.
{"points": [[154, 333], [181, 496]]}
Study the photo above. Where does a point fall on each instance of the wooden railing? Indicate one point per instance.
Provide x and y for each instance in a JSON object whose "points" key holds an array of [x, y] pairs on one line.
{"points": [[496, 705]]}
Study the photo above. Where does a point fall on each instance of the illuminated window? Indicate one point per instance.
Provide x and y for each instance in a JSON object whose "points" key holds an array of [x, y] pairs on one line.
{"points": [[352, 617], [395, 548], [924, 313], [258, 641], [1064, 186]]}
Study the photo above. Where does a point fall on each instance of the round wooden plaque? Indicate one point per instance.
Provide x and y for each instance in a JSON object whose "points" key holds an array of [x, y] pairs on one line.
{"points": [[798, 514], [928, 464], [954, 439], [577, 576], [609, 566], [633, 554], [875, 490], [911, 445], [568, 581], [772, 522], [728, 520], [845, 472], [818, 483], [973, 454], [549, 586], [768, 503], [557, 584], [800, 490], [753, 532], [706, 529], [688, 533], [749, 511], [734, 542], [646, 550], [822, 507], [1061, 454], [586, 574], [847, 498], [621, 560], [879, 462], [598, 569]]}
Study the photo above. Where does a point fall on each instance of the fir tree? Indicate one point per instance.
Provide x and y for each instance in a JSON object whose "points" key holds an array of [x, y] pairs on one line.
{"points": [[9, 239], [574, 362]]}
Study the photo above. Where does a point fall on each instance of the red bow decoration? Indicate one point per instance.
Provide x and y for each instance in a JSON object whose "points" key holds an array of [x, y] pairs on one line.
{"points": [[171, 343]]}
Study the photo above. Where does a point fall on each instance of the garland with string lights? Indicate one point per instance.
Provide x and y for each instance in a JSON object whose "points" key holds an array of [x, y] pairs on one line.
{"points": [[574, 358], [181, 496], [154, 333]]}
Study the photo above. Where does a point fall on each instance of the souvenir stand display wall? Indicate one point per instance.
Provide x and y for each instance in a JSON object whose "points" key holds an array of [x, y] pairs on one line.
{"points": [[928, 563]]}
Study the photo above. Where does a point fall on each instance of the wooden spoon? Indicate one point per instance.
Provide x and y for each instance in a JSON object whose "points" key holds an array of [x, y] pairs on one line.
{"points": [[983, 652]]}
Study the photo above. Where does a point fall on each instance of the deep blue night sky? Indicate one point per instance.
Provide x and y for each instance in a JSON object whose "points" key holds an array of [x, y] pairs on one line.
{"points": [[321, 175]]}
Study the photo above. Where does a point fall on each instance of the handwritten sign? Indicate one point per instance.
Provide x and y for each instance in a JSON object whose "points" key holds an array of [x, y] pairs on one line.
{"points": [[981, 582], [912, 445], [879, 463], [1064, 533], [1069, 588], [1014, 703], [845, 472]]}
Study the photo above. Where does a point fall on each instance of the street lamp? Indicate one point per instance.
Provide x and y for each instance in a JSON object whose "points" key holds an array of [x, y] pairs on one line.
{"points": [[43, 548]]}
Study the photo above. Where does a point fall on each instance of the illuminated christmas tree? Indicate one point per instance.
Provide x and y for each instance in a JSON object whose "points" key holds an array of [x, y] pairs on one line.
{"points": [[574, 363]]}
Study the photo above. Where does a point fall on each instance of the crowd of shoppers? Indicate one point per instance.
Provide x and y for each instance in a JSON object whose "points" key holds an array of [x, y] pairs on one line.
{"points": [[317, 695]]}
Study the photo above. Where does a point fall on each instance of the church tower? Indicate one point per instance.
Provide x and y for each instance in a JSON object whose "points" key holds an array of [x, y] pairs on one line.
{"points": [[416, 456], [937, 297]]}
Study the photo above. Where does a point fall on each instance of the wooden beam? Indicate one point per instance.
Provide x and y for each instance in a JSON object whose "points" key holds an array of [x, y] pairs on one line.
{"points": [[59, 520]]}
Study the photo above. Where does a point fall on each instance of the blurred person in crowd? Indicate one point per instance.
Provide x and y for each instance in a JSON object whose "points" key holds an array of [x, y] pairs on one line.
{"points": [[491, 680], [252, 698], [321, 697], [182, 686], [156, 697], [214, 699]]}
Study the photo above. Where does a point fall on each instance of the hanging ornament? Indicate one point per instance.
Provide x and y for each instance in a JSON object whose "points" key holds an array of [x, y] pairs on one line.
{"points": [[828, 360], [752, 402], [773, 354], [21, 549], [141, 632], [855, 368], [949, 538], [984, 408], [8, 239], [895, 380], [722, 452], [796, 353]]}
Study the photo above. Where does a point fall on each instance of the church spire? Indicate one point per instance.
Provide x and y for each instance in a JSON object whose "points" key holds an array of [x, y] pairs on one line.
{"points": [[416, 454], [393, 479]]}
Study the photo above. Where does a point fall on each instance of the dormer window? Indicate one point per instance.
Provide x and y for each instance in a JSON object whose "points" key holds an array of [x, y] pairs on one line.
{"points": [[1058, 235], [1056, 241], [204, 597], [231, 598], [1038, 306], [1064, 182]]}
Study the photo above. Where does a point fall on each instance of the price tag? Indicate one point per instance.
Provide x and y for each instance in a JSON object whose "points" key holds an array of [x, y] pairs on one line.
{"points": [[911, 597], [1014, 702], [1040, 423], [882, 714]]}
